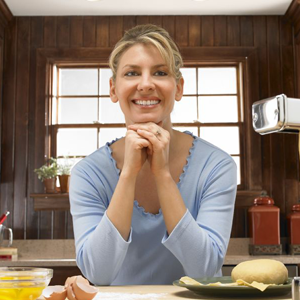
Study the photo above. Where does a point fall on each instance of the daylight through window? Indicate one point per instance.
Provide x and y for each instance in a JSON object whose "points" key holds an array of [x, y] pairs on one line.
{"points": [[84, 118]]}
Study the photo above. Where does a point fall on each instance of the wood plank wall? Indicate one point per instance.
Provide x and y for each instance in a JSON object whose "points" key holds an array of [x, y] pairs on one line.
{"points": [[272, 35]]}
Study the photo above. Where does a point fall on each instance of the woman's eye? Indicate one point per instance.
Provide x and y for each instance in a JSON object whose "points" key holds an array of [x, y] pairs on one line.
{"points": [[131, 73], [160, 73]]}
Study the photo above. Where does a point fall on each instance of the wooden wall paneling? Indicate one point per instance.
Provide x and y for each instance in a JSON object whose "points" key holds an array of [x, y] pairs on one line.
{"points": [[233, 31], [168, 23], [290, 140], [277, 146], [247, 36], [156, 20], [102, 31], [49, 32], [207, 31], [289, 88], [142, 20], [63, 31], [76, 32], [220, 31], [252, 139], [115, 30], [8, 118], [36, 41], [181, 31], [21, 126], [128, 22], [40, 137], [260, 41], [5, 14], [244, 200], [89, 31], [194, 31]]}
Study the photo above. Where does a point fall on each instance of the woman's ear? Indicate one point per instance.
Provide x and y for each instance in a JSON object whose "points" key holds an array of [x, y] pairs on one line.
{"points": [[112, 92], [179, 89]]}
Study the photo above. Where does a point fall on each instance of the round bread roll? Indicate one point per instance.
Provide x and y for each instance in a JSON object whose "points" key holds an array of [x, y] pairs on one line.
{"points": [[261, 270]]}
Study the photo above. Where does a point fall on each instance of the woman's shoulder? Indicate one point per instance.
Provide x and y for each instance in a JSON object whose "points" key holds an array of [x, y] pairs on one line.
{"points": [[206, 150], [101, 159]]}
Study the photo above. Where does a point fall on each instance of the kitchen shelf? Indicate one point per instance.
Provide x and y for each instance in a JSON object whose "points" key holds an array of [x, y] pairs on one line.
{"points": [[49, 202], [60, 202]]}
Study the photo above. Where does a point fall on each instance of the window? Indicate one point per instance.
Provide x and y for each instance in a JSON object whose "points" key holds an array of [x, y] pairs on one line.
{"points": [[84, 118]]}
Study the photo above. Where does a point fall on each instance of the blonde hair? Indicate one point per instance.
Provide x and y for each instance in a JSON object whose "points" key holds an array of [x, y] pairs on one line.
{"points": [[148, 34]]}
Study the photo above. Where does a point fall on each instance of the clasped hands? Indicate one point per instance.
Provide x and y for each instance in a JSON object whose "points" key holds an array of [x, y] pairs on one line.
{"points": [[147, 141]]}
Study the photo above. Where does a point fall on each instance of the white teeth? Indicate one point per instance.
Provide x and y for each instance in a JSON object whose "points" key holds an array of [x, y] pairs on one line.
{"points": [[146, 102]]}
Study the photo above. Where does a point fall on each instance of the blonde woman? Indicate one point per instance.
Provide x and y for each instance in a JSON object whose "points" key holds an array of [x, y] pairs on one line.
{"points": [[156, 204]]}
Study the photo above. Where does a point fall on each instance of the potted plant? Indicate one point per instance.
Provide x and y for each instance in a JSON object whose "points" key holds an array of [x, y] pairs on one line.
{"points": [[47, 174], [64, 172]]}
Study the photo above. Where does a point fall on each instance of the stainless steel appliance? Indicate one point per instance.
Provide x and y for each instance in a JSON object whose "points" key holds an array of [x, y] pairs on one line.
{"points": [[276, 114]]}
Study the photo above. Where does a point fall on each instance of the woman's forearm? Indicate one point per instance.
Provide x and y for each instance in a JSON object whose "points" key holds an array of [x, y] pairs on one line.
{"points": [[120, 208], [171, 202]]}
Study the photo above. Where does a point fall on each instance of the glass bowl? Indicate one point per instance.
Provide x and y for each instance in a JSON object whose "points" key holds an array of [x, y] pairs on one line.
{"points": [[23, 283]]}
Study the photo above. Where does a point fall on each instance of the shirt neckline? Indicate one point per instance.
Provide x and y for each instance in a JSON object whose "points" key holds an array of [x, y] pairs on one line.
{"points": [[179, 183]]}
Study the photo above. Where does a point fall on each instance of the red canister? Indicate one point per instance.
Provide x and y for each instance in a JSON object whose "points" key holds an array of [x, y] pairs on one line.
{"points": [[264, 226], [293, 228]]}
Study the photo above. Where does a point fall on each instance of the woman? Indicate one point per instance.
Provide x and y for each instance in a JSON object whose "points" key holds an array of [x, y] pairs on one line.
{"points": [[157, 204]]}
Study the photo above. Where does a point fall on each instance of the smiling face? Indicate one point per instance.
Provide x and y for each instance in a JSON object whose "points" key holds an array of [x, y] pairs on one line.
{"points": [[144, 87]]}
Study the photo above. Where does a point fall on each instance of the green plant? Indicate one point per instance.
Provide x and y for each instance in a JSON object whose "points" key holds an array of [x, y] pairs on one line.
{"points": [[48, 170], [65, 165]]}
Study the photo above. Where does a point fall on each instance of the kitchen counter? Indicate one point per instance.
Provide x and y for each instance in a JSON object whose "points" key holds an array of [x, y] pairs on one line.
{"points": [[42, 253], [152, 292]]}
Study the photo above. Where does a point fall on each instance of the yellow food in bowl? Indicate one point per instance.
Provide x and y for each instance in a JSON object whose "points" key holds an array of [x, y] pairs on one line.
{"points": [[23, 283]]}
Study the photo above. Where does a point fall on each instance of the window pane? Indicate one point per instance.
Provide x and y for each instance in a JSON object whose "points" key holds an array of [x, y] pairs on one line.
{"points": [[110, 112], [238, 164], [78, 82], [77, 110], [226, 138], [218, 109], [105, 75], [189, 76], [193, 130], [217, 80], [185, 110], [76, 142], [110, 134]]}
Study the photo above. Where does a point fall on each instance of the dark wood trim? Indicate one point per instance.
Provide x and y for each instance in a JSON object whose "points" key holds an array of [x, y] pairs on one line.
{"points": [[292, 12], [6, 15]]}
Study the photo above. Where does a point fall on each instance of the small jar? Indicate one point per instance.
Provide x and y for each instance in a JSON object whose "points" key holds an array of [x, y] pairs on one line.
{"points": [[264, 226], [293, 229]]}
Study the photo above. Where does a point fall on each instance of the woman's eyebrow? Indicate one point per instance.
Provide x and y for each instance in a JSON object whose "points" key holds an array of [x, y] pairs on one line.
{"points": [[137, 66]]}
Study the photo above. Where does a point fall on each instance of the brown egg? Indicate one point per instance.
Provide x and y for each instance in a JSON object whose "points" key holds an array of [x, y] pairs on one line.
{"points": [[56, 292], [70, 280], [70, 293], [82, 290]]}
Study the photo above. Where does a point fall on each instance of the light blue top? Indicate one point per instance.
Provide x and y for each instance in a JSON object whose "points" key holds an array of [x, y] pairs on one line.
{"points": [[197, 245]]}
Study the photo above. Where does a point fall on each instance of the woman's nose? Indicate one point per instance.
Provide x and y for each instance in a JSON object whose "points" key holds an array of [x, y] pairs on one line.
{"points": [[146, 84]]}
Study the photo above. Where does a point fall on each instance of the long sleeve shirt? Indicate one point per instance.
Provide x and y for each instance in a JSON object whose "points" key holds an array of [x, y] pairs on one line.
{"points": [[197, 245]]}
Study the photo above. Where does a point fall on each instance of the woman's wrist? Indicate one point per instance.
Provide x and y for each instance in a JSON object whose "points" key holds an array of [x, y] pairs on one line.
{"points": [[162, 176]]}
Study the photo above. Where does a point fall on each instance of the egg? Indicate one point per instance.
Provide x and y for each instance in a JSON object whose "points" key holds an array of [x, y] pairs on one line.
{"points": [[56, 292], [75, 288], [70, 293], [82, 290], [70, 280]]}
